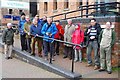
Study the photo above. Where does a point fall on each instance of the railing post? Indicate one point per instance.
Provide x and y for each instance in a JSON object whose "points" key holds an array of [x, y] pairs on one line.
{"points": [[72, 70], [65, 15], [87, 8]]}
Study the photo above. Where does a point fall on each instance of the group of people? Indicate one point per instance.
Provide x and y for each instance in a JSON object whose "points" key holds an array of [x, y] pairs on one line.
{"points": [[44, 30]]}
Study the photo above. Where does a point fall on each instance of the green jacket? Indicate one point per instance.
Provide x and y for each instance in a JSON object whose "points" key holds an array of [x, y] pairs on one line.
{"points": [[8, 36], [113, 38]]}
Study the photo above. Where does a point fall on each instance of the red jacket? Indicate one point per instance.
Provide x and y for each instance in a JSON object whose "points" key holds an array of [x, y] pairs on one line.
{"points": [[60, 32], [78, 37]]}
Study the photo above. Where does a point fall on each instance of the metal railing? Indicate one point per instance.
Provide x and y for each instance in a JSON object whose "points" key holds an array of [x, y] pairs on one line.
{"points": [[72, 66], [102, 6]]}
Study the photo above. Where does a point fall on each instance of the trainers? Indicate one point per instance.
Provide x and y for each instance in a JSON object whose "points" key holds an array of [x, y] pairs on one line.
{"points": [[88, 65], [101, 70], [75, 60], [96, 67], [53, 59], [109, 72]]}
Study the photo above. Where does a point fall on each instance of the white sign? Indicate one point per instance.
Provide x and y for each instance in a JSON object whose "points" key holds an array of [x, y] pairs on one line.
{"points": [[15, 4]]}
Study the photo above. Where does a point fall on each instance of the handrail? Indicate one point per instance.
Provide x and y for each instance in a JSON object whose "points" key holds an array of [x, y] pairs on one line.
{"points": [[87, 7], [72, 68]]}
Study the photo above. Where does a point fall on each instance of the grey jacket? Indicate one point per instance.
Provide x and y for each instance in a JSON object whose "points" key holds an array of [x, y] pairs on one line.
{"points": [[8, 36], [69, 29]]}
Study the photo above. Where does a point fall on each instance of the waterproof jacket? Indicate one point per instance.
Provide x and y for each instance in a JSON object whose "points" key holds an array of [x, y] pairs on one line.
{"points": [[60, 32], [49, 29], [8, 36], [78, 37], [21, 27], [35, 30]]}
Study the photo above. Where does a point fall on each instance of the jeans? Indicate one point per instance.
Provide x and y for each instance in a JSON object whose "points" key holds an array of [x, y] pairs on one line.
{"points": [[93, 45], [48, 47], [78, 55]]}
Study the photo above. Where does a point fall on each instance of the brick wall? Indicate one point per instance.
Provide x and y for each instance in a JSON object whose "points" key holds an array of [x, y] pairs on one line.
{"points": [[73, 5]]}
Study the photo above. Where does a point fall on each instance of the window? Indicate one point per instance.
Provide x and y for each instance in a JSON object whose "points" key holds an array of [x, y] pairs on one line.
{"points": [[55, 5], [10, 11], [80, 3], [20, 11], [45, 6], [66, 4]]}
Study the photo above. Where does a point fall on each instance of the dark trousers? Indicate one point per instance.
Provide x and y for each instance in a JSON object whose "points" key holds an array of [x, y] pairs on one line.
{"points": [[29, 44], [48, 47], [23, 42], [68, 51], [57, 45]]}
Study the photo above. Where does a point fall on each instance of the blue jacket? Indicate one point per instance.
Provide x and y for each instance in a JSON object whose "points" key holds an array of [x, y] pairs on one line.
{"points": [[52, 29], [21, 27], [35, 30]]}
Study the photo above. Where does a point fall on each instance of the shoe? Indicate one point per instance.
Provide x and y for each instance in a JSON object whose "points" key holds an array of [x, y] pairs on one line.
{"points": [[65, 57], [88, 65], [109, 72], [57, 53], [53, 59], [101, 70], [75, 60], [96, 67], [32, 54], [40, 55], [9, 57]]}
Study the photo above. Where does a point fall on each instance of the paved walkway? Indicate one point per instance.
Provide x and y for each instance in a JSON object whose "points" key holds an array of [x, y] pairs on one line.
{"points": [[14, 68], [87, 72]]}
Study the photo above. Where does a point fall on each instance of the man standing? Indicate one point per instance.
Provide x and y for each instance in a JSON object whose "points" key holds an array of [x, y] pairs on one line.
{"points": [[59, 36], [27, 31], [35, 31], [107, 40], [22, 32], [48, 30], [69, 29], [93, 33], [8, 39]]}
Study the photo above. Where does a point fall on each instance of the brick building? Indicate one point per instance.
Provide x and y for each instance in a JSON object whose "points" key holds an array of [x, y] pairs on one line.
{"points": [[14, 8], [56, 7]]}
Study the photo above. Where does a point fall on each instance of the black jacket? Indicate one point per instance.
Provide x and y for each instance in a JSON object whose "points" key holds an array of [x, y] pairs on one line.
{"points": [[8, 36]]}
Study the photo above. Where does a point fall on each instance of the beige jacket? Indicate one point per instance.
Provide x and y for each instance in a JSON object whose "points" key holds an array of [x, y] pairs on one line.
{"points": [[69, 29]]}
